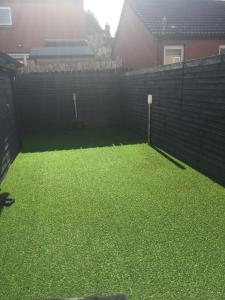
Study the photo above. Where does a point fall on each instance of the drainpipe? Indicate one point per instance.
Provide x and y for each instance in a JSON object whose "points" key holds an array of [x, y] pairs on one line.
{"points": [[158, 51]]}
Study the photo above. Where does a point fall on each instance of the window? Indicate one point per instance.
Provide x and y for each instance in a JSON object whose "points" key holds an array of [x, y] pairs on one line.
{"points": [[5, 16], [222, 50], [173, 54]]}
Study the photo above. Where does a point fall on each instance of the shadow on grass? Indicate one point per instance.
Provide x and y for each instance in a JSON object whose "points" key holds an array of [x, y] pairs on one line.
{"points": [[170, 158], [5, 201], [78, 139]]}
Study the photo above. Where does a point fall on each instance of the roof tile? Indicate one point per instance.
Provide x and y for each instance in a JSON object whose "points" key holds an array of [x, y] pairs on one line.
{"points": [[182, 17]]}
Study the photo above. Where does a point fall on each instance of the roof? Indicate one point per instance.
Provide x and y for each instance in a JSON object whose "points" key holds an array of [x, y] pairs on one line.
{"points": [[196, 18], [65, 43], [8, 63], [50, 52]]}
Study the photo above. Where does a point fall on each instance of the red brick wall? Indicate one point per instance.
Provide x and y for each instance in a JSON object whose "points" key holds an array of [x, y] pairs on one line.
{"points": [[194, 48], [139, 49], [134, 43], [35, 21]]}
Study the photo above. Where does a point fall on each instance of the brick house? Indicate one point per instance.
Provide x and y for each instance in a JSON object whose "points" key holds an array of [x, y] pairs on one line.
{"points": [[156, 32], [30, 24]]}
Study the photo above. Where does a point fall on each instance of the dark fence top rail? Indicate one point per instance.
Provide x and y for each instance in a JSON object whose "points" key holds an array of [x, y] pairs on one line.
{"points": [[179, 66]]}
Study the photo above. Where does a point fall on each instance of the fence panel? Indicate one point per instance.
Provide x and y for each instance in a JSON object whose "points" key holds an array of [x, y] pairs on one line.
{"points": [[9, 144], [45, 101], [188, 111]]}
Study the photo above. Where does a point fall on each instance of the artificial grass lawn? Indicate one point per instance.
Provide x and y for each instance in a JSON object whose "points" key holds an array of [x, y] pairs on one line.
{"points": [[110, 219]]}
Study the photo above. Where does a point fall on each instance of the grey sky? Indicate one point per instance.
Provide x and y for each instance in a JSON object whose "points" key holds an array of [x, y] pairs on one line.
{"points": [[106, 11]]}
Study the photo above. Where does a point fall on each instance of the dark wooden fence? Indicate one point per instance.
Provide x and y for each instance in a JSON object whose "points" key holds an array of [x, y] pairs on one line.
{"points": [[188, 111], [9, 143], [45, 100]]}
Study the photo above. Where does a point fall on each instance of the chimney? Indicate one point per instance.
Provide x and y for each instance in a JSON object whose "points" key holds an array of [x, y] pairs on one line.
{"points": [[107, 31]]}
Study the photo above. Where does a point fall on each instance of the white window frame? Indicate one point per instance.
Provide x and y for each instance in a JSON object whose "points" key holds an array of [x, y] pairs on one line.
{"points": [[177, 58], [10, 15], [175, 47], [221, 47]]}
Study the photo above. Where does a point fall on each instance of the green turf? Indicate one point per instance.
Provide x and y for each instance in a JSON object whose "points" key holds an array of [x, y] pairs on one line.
{"points": [[109, 219]]}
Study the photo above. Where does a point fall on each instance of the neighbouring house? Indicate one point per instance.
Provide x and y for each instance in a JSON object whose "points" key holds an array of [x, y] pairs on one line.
{"points": [[46, 29], [156, 32]]}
